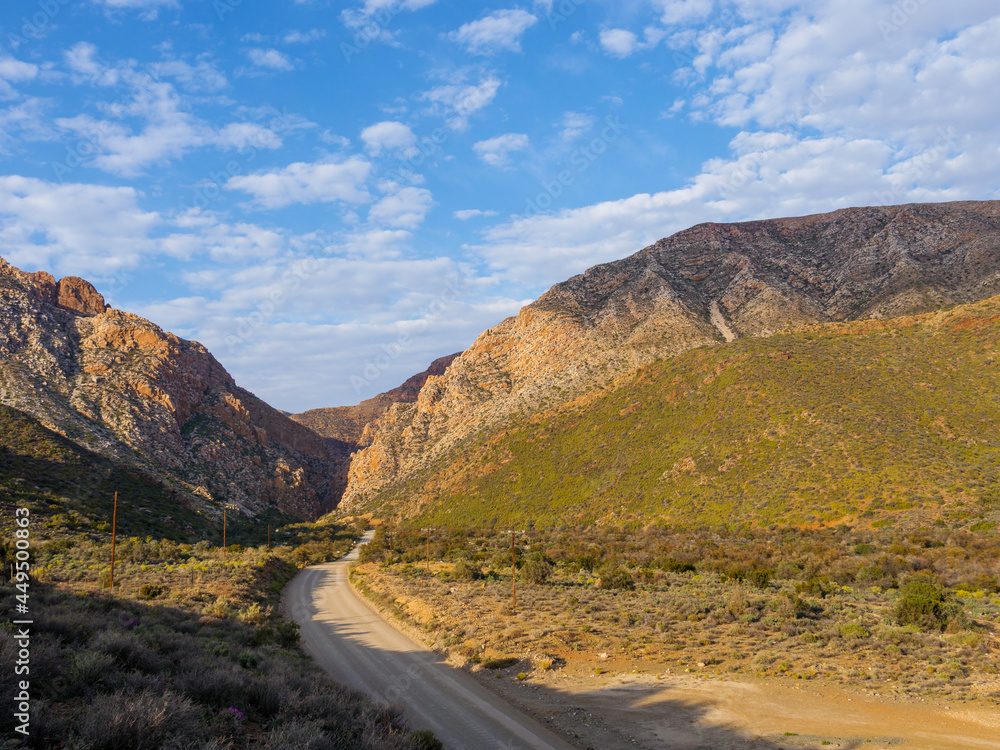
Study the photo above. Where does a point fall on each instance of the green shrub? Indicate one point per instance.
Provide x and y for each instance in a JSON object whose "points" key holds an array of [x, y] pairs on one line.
{"points": [[464, 571], [536, 571], [924, 603], [615, 578]]}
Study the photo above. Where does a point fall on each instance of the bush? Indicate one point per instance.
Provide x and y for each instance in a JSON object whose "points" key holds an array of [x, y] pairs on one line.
{"points": [[536, 572], [616, 578], [137, 721], [924, 603], [501, 662], [463, 571], [150, 591]]}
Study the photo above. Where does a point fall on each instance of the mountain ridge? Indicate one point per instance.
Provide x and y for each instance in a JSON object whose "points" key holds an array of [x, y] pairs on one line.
{"points": [[756, 278], [117, 384]]}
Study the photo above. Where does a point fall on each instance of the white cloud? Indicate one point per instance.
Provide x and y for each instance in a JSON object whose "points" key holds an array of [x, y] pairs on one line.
{"points": [[269, 58], [496, 151], [766, 175], [575, 124], [472, 213], [319, 182], [72, 225], [619, 42], [388, 136], [501, 30], [150, 8], [622, 43], [459, 102], [12, 69], [406, 209], [304, 37]]}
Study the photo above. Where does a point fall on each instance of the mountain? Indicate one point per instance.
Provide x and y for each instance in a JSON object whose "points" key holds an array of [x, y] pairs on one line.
{"points": [[120, 388], [345, 425], [703, 287]]}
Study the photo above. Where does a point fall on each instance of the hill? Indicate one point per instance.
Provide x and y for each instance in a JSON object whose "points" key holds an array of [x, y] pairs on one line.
{"points": [[121, 394], [616, 397]]}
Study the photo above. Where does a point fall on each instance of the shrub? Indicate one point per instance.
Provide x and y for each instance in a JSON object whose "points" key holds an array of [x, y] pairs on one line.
{"points": [[536, 572], [500, 662], [150, 591], [924, 603], [853, 631], [616, 578], [137, 721], [463, 571]]}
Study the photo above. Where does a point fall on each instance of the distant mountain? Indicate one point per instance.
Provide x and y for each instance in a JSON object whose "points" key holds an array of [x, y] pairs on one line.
{"points": [[121, 388], [346, 424], [701, 287]]}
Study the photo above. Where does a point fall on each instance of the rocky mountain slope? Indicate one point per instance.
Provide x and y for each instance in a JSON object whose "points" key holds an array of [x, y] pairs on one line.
{"points": [[119, 386], [345, 425], [700, 287]]}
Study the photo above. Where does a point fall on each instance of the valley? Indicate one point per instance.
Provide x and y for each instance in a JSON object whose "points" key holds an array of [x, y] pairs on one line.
{"points": [[760, 456]]}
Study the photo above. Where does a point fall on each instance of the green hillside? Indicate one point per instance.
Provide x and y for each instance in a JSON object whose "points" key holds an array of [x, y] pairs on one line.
{"points": [[72, 488], [863, 423]]}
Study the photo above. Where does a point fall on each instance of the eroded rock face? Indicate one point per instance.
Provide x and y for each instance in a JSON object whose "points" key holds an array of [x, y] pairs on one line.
{"points": [[118, 384], [761, 277]]}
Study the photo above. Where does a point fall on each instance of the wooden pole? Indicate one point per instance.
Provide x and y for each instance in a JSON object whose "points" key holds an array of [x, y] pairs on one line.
{"points": [[269, 536], [513, 570], [114, 531], [223, 533]]}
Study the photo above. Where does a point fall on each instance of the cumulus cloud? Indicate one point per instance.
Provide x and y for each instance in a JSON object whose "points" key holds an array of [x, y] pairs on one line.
{"points": [[501, 30], [496, 151], [458, 102], [472, 213], [619, 42], [319, 182], [73, 225], [388, 136], [269, 58], [405, 209]]}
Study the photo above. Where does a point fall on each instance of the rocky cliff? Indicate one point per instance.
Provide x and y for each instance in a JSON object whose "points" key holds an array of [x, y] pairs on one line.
{"points": [[703, 286], [346, 424], [117, 384]]}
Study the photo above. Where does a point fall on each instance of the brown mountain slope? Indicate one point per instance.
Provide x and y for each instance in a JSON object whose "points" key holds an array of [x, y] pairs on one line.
{"points": [[117, 384], [346, 424], [699, 287]]}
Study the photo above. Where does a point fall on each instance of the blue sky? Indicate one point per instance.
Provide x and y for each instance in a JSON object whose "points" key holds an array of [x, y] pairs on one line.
{"points": [[329, 195]]}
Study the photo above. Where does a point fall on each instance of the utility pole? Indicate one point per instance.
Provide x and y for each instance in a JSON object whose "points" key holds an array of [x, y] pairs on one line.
{"points": [[513, 568], [114, 530], [223, 532], [269, 537], [428, 532]]}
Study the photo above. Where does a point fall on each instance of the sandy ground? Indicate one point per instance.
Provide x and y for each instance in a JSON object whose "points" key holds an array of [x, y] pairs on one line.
{"points": [[612, 711]]}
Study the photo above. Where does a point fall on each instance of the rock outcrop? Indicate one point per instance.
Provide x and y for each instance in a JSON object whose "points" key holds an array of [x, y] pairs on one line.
{"points": [[703, 286], [118, 384]]}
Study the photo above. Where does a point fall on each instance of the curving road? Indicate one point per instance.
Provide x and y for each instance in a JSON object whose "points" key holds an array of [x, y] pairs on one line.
{"points": [[359, 648]]}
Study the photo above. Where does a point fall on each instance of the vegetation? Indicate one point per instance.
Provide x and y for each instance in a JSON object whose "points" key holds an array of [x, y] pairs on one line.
{"points": [[909, 613], [187, 651], [868, 423]]}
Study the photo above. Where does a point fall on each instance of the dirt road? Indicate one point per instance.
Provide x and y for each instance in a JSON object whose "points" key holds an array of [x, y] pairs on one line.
{"points": [[359, 648]]}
